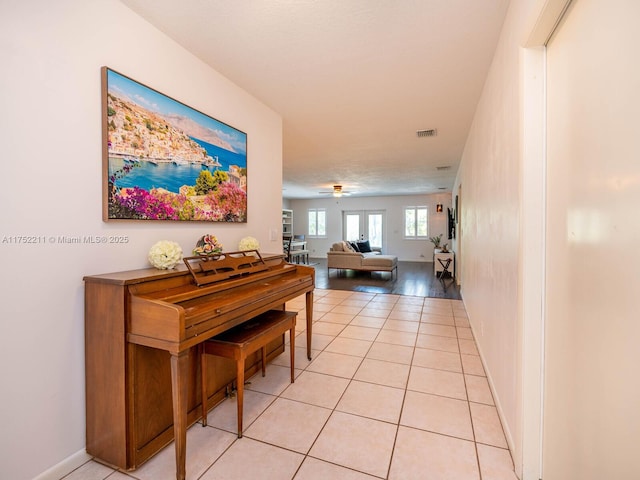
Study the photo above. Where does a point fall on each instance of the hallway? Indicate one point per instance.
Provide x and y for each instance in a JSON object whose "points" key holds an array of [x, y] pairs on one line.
{"points": [[395, 390]]}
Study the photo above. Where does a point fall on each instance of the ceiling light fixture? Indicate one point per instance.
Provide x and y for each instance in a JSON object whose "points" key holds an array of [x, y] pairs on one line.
{"points": [[337, 191]]}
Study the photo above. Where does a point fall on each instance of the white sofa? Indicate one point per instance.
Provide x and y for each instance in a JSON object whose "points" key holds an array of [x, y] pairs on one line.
{"points": [[342, 257]]}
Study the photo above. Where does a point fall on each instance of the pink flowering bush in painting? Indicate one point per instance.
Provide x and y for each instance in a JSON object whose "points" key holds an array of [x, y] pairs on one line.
{"points": [[224, 201], [182, 207], [228, 202], [145, 205]]}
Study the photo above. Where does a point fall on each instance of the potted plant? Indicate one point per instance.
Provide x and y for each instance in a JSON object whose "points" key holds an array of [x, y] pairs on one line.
{"points": [[436, 241]]}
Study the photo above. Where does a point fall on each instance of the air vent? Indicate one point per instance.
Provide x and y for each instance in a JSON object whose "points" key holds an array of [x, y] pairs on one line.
{"points": [[427, 133], [442, 188], [443, 168]]}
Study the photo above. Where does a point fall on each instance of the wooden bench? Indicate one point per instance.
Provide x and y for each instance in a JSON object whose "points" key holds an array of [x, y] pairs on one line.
{"points": [[243, 340]]}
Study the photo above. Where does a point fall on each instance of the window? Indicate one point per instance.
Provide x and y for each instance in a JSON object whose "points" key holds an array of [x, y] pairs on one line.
{"points": [[317, 222], [415, 222], [352, 226]]}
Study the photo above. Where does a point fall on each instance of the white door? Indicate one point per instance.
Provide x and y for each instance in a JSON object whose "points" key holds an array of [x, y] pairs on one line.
{"points": [[592, 392], [364, 225]]}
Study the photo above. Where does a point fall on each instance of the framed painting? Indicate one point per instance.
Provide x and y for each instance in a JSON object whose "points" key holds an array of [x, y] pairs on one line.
{"points": [[163, 160], [456, 212]]}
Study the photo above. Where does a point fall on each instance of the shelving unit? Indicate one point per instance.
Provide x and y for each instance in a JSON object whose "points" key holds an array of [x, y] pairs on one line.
{"points": [[287, 222]]}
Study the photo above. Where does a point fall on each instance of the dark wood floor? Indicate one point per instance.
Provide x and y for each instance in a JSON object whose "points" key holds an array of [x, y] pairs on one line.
{"points": [[413, 278]]}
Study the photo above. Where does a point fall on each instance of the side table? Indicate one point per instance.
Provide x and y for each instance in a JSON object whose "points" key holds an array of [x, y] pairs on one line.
{"points": [[438, 267]]}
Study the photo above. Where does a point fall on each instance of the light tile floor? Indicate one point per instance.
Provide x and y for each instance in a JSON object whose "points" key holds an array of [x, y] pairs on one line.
{"points": [[395, 390]]}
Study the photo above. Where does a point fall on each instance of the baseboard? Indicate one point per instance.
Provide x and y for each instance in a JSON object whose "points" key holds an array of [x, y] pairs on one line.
{"points": [[496, 399], [66, 466], [505, 426]]}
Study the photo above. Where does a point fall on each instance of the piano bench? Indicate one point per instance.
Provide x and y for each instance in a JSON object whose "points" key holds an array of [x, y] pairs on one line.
{"points": [[243, 340]]}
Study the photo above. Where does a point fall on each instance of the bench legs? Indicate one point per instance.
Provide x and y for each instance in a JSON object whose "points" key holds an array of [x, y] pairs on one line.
{"points": [[240, 375], [239, 353]]}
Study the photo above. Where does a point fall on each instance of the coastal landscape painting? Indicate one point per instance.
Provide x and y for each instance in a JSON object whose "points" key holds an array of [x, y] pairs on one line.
{"points": [[164, 160]]}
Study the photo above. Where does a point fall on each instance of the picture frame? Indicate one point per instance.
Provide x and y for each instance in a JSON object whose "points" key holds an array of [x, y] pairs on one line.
{"points": [[456, 213], [164, 160], [451, 224]]}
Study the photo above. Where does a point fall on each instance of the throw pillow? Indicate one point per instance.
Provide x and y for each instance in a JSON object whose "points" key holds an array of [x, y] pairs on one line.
{"points": [[354, 245], [347, 247], [364, 247]]}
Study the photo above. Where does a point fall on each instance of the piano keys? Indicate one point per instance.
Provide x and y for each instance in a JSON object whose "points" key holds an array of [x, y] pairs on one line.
{"points": [[142, 332]]}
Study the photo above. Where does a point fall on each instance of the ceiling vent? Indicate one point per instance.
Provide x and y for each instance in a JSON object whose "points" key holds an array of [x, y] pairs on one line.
{"points": [[427, 133], [443, 168]]}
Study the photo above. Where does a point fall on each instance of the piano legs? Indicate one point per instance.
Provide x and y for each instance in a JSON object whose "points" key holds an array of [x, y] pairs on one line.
{"points": [[179, 375], [179, 392], [240, 393], [309, 307]]}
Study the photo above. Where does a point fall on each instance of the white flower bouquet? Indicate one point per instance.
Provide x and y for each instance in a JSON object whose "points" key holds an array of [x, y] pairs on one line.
{"points": [[165, 254], [248, 243]]}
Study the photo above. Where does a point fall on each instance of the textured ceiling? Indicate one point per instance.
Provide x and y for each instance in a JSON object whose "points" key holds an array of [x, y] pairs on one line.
{"points": [[353, 80]]}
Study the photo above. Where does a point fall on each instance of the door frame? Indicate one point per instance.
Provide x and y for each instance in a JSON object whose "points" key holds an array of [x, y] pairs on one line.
{"points": [[532, 248], [364, 223]]}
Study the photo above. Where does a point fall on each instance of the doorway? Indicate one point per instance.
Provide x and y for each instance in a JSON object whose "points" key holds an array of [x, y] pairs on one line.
{"points": [[364, 225]]}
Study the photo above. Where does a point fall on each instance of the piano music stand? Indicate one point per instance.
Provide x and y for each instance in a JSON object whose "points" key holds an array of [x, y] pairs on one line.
{"points": [[216, 267]]}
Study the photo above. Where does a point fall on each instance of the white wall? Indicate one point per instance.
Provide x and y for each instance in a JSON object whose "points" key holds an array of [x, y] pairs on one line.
{"points": [[394, 242], [50, 129], [592, 392], [489, 177]]}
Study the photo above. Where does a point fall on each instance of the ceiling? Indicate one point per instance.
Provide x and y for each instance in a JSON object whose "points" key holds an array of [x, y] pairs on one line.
{"points": [[354, 80]]}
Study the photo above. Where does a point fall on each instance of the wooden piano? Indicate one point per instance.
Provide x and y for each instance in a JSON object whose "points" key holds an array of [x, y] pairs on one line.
{"points": [[143, 329]]}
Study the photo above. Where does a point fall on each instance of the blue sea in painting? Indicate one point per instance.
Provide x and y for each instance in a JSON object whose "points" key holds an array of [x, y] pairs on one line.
{"points": [[171, 177]]}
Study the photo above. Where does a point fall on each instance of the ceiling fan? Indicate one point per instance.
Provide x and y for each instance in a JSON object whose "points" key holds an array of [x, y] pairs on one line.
{"points": [[337, 191]]}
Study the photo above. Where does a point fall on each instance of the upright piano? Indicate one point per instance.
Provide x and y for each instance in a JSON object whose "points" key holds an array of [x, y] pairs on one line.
{"points": [[143, 329]]}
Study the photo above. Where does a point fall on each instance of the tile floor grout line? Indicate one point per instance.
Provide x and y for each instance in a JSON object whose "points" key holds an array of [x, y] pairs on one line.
{"points": [[351, 380], [404, 399], [333, 410], [473, 429], [464, 323]]}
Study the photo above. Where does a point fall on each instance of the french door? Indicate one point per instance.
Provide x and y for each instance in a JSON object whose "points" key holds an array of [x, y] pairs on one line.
{"points": [[364, 225]]}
